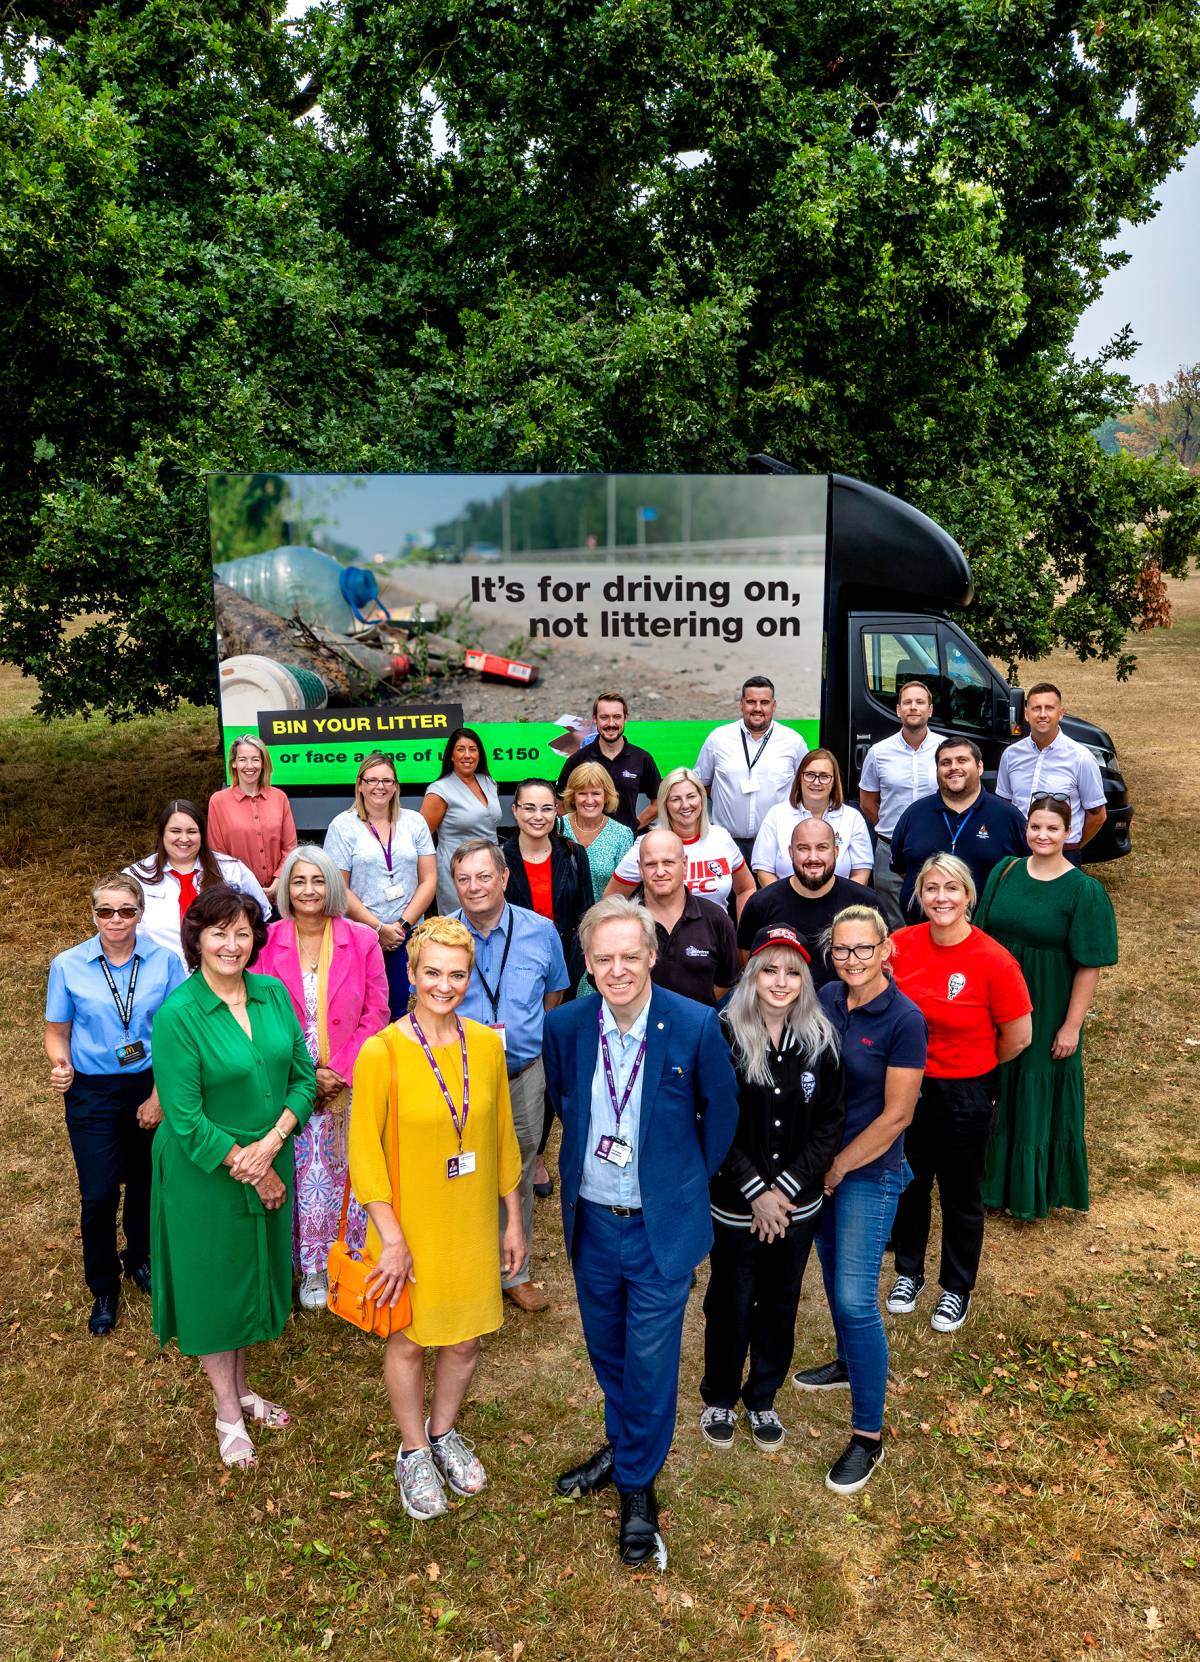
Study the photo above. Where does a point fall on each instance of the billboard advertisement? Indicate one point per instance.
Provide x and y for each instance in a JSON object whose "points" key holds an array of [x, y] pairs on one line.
{"points": [[357, 612]]}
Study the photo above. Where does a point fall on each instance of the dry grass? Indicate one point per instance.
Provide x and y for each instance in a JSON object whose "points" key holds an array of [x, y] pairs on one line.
{"points": [[1041, 1494]]}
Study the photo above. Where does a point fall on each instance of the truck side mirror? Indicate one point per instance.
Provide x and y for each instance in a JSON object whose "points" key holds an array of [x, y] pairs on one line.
{"points": [[1016, 710]]}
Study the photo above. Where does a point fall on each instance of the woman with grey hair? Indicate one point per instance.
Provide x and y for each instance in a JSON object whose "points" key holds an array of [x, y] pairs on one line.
{"points": [[766, 1198], [335, 973]]}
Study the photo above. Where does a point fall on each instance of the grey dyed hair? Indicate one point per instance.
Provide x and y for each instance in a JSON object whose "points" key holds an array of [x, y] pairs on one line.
{"points": [[335, 883], [617, 908], [814, 1032], [478, 845]]}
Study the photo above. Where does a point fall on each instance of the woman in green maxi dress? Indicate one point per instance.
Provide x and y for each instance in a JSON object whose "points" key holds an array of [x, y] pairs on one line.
{"points": [[236, 1081], [1059, 925]]}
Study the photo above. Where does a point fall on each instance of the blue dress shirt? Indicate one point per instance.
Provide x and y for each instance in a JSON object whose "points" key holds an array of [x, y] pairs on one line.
{"points": [[78, 993], [601, 1181], [535, 967]]}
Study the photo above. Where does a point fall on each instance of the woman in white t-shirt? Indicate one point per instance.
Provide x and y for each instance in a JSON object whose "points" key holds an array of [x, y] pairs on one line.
{"points": [[816, 794], [385, 854], [715, 867]]}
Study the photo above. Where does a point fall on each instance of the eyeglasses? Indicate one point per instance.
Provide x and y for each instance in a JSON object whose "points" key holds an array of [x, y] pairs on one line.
{"points": [[817, 778], [863, 953], [104, 913], [379, 784]]}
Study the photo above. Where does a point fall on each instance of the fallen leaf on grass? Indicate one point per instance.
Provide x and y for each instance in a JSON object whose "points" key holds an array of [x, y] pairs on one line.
{"points": [[1153, 1620], [1090, 1639], [433, 1571], [518, 1650], [340, 1494]]}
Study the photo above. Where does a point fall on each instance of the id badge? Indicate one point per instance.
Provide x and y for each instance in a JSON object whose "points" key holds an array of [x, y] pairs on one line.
{"points": [[749, 788], [617, 1151], [128, 1054], [460, 1165], [396, 891], [498, 1027]]}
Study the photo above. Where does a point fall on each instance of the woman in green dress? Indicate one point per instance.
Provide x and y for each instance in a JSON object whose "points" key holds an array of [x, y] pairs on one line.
{"points": [[1058, 923], [236, 1081]]}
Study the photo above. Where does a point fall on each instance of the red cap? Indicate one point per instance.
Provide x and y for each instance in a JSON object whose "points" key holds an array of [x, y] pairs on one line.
{"points": [[779, 934]]}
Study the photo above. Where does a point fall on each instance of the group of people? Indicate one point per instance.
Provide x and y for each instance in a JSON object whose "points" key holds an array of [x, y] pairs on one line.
{"points": [[759, 1028]]}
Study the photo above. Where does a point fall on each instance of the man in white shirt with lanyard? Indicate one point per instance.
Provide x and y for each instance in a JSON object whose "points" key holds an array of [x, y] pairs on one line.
{"points": [[1047, 762], [749, 765], [897, 772]]}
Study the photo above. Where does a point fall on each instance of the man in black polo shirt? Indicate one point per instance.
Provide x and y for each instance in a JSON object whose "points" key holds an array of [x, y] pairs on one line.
{"points": [[697, 946], [632, 770], [808, 900], [959, 818]]}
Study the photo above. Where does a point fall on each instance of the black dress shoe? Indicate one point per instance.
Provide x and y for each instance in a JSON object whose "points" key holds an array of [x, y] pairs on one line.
{"points": [[585, 1479], [140, 1278], [104, 1315], [639, 1528]]}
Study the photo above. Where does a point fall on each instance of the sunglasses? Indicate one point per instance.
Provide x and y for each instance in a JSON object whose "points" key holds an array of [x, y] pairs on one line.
{"points": [[104, 913]]}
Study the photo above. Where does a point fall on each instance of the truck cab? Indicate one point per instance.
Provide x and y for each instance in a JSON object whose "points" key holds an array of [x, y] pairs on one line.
{"points": [[892, 574]]}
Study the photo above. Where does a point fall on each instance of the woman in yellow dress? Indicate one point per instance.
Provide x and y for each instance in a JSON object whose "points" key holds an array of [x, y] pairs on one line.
{"points": [[457, 1152]]}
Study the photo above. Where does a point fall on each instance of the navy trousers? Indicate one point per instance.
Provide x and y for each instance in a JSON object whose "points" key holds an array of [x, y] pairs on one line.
{"points": [[633, 1324], [111, 1149], [396, 965]]}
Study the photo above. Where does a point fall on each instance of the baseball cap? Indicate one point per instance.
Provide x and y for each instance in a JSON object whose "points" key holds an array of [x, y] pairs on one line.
{"points": [[779, 934]]}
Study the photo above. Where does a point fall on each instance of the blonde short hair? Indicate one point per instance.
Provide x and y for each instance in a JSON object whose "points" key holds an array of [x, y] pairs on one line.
{"points": [[439, 932], [255, 743], [127, 883], [680, 776], [617, 908], [950, 866], [590, 776]]}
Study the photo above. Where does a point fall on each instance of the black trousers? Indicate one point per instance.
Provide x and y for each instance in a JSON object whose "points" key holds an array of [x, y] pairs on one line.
{"points": [[947, 1141], [750, 1306], [111, 1149]]}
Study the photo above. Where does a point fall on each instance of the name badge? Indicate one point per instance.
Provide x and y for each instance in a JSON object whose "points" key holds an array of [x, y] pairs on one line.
{"points": [[395, 891], [749, 788], [460, 1165], [128, 1054], [498, 1027], [617, 1151]]}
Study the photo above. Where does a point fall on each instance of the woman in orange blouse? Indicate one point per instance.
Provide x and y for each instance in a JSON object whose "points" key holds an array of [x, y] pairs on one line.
{"points": [[252, 819]]}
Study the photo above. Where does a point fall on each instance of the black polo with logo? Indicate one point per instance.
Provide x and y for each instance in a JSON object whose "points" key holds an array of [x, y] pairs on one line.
{"points": [[699, 954], [633, 771]]}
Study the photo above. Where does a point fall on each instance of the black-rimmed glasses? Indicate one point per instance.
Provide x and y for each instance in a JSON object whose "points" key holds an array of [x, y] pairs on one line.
{"points": [[863, 953]]}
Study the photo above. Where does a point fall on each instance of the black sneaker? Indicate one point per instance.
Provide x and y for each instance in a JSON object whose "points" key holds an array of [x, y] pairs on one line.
{"points": [[950, 1312], [906, 1290], [717, 1425], [852, 1469], [830, 1376], [766, 1429]]}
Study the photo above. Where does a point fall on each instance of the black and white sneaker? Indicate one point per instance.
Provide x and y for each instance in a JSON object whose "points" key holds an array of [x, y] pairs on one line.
{"points": [[852, 1469], [766, 1428], [830, 1376], [950, 1312], [717, 1426], [906, 1290]]}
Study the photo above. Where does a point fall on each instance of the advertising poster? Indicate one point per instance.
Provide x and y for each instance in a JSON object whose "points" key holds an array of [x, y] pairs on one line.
{"points": [[355, 613]]}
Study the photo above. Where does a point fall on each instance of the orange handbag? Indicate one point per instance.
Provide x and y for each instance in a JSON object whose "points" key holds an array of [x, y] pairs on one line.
{"points": [[349, 1271]]}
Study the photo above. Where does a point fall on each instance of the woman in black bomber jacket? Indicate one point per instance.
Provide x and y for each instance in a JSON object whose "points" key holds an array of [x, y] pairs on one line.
{"points": [[767, 1197]]}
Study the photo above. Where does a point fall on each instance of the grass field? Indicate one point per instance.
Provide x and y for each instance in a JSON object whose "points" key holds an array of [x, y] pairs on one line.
{"points": [[1041, 1496]]}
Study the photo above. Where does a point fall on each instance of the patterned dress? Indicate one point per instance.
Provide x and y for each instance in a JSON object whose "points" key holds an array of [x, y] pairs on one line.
{"points": [[321, 1170], [605, 851]]}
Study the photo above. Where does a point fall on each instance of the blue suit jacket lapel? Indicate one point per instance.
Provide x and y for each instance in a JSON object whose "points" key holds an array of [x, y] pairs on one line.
{"points": [[658, 1032]]}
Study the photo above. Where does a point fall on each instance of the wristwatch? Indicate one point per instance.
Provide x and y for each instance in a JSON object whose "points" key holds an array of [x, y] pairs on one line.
{"points": [[281, 1133]]}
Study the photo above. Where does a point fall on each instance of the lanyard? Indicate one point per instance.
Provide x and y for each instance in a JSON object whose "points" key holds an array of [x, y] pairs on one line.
{"points": [[459, 1126], [619, 1108], [954, 835], [766, 739], [494, 994], [125, 1007], [387, 847]]}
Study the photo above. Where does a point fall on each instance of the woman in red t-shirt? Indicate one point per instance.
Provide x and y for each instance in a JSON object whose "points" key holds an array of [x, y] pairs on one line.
{"points": [[976, 1005]]}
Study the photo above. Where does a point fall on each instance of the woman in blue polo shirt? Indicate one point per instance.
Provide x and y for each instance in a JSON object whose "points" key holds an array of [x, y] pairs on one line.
{"points": [[883, 1051], [100, 1003]]}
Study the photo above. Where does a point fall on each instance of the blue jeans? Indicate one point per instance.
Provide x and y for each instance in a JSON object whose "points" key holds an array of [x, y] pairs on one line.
{"points": [[855, 1224]]}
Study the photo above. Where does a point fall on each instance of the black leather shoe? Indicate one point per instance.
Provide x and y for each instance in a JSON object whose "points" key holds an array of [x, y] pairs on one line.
{"points": [[140, 1278], [639, 1528], [104, 1315], [585, 1479]]}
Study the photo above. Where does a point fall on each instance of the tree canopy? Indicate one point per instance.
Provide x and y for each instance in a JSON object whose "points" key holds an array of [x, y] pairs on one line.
{"points": [[570, 234]]}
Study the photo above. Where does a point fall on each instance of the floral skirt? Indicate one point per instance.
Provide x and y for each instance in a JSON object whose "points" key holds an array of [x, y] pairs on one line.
{"points": [[320, 1185]]}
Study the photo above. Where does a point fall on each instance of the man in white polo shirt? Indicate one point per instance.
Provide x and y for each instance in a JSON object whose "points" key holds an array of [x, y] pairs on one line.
{"points": [[1048, 763], [897, 772], [748, 766]]}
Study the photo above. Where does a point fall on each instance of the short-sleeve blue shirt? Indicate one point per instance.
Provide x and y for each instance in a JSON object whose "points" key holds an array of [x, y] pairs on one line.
{"points": [[535, 966], [889, 1032], [78, 993]]}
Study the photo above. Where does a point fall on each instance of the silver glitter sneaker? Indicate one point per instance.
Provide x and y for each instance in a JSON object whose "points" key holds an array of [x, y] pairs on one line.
{"points": [[420, 1486], [458, 1463]]}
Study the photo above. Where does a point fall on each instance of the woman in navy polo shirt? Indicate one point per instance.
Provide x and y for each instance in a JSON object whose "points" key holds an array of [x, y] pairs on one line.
{"points": [[883, 1051]]}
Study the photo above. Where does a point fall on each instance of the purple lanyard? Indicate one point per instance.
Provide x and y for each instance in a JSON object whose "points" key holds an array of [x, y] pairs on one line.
{"points": [[437, 1074], [387, 848], [618, 1108]]}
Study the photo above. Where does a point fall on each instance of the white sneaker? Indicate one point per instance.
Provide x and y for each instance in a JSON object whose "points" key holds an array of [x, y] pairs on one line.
{"points": [[314, 1291], [420, 1486]]}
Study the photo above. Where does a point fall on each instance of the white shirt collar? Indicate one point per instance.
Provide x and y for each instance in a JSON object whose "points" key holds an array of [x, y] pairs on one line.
{"points": [[636, 1031]]}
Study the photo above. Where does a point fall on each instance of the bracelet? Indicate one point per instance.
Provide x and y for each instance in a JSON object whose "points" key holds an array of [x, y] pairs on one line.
{"points": [[379, 929], [281, 1134]]}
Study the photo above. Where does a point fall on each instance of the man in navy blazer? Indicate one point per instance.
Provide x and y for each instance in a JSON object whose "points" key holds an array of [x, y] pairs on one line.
{"points": [[642, 1081]]}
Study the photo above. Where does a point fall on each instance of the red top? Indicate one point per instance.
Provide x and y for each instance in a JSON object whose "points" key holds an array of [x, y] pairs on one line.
{"points": [[964, 992], [541, 887]]}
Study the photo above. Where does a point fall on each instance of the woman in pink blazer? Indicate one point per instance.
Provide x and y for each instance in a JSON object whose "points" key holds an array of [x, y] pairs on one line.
{"points": [[335, 973]]}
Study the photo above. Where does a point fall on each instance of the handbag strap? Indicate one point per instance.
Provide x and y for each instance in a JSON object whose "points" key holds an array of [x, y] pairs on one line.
{"points": [[390, 1041]]}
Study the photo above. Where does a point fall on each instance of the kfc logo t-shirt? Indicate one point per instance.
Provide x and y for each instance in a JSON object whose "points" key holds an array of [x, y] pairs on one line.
{"points": [[712, 861]]}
